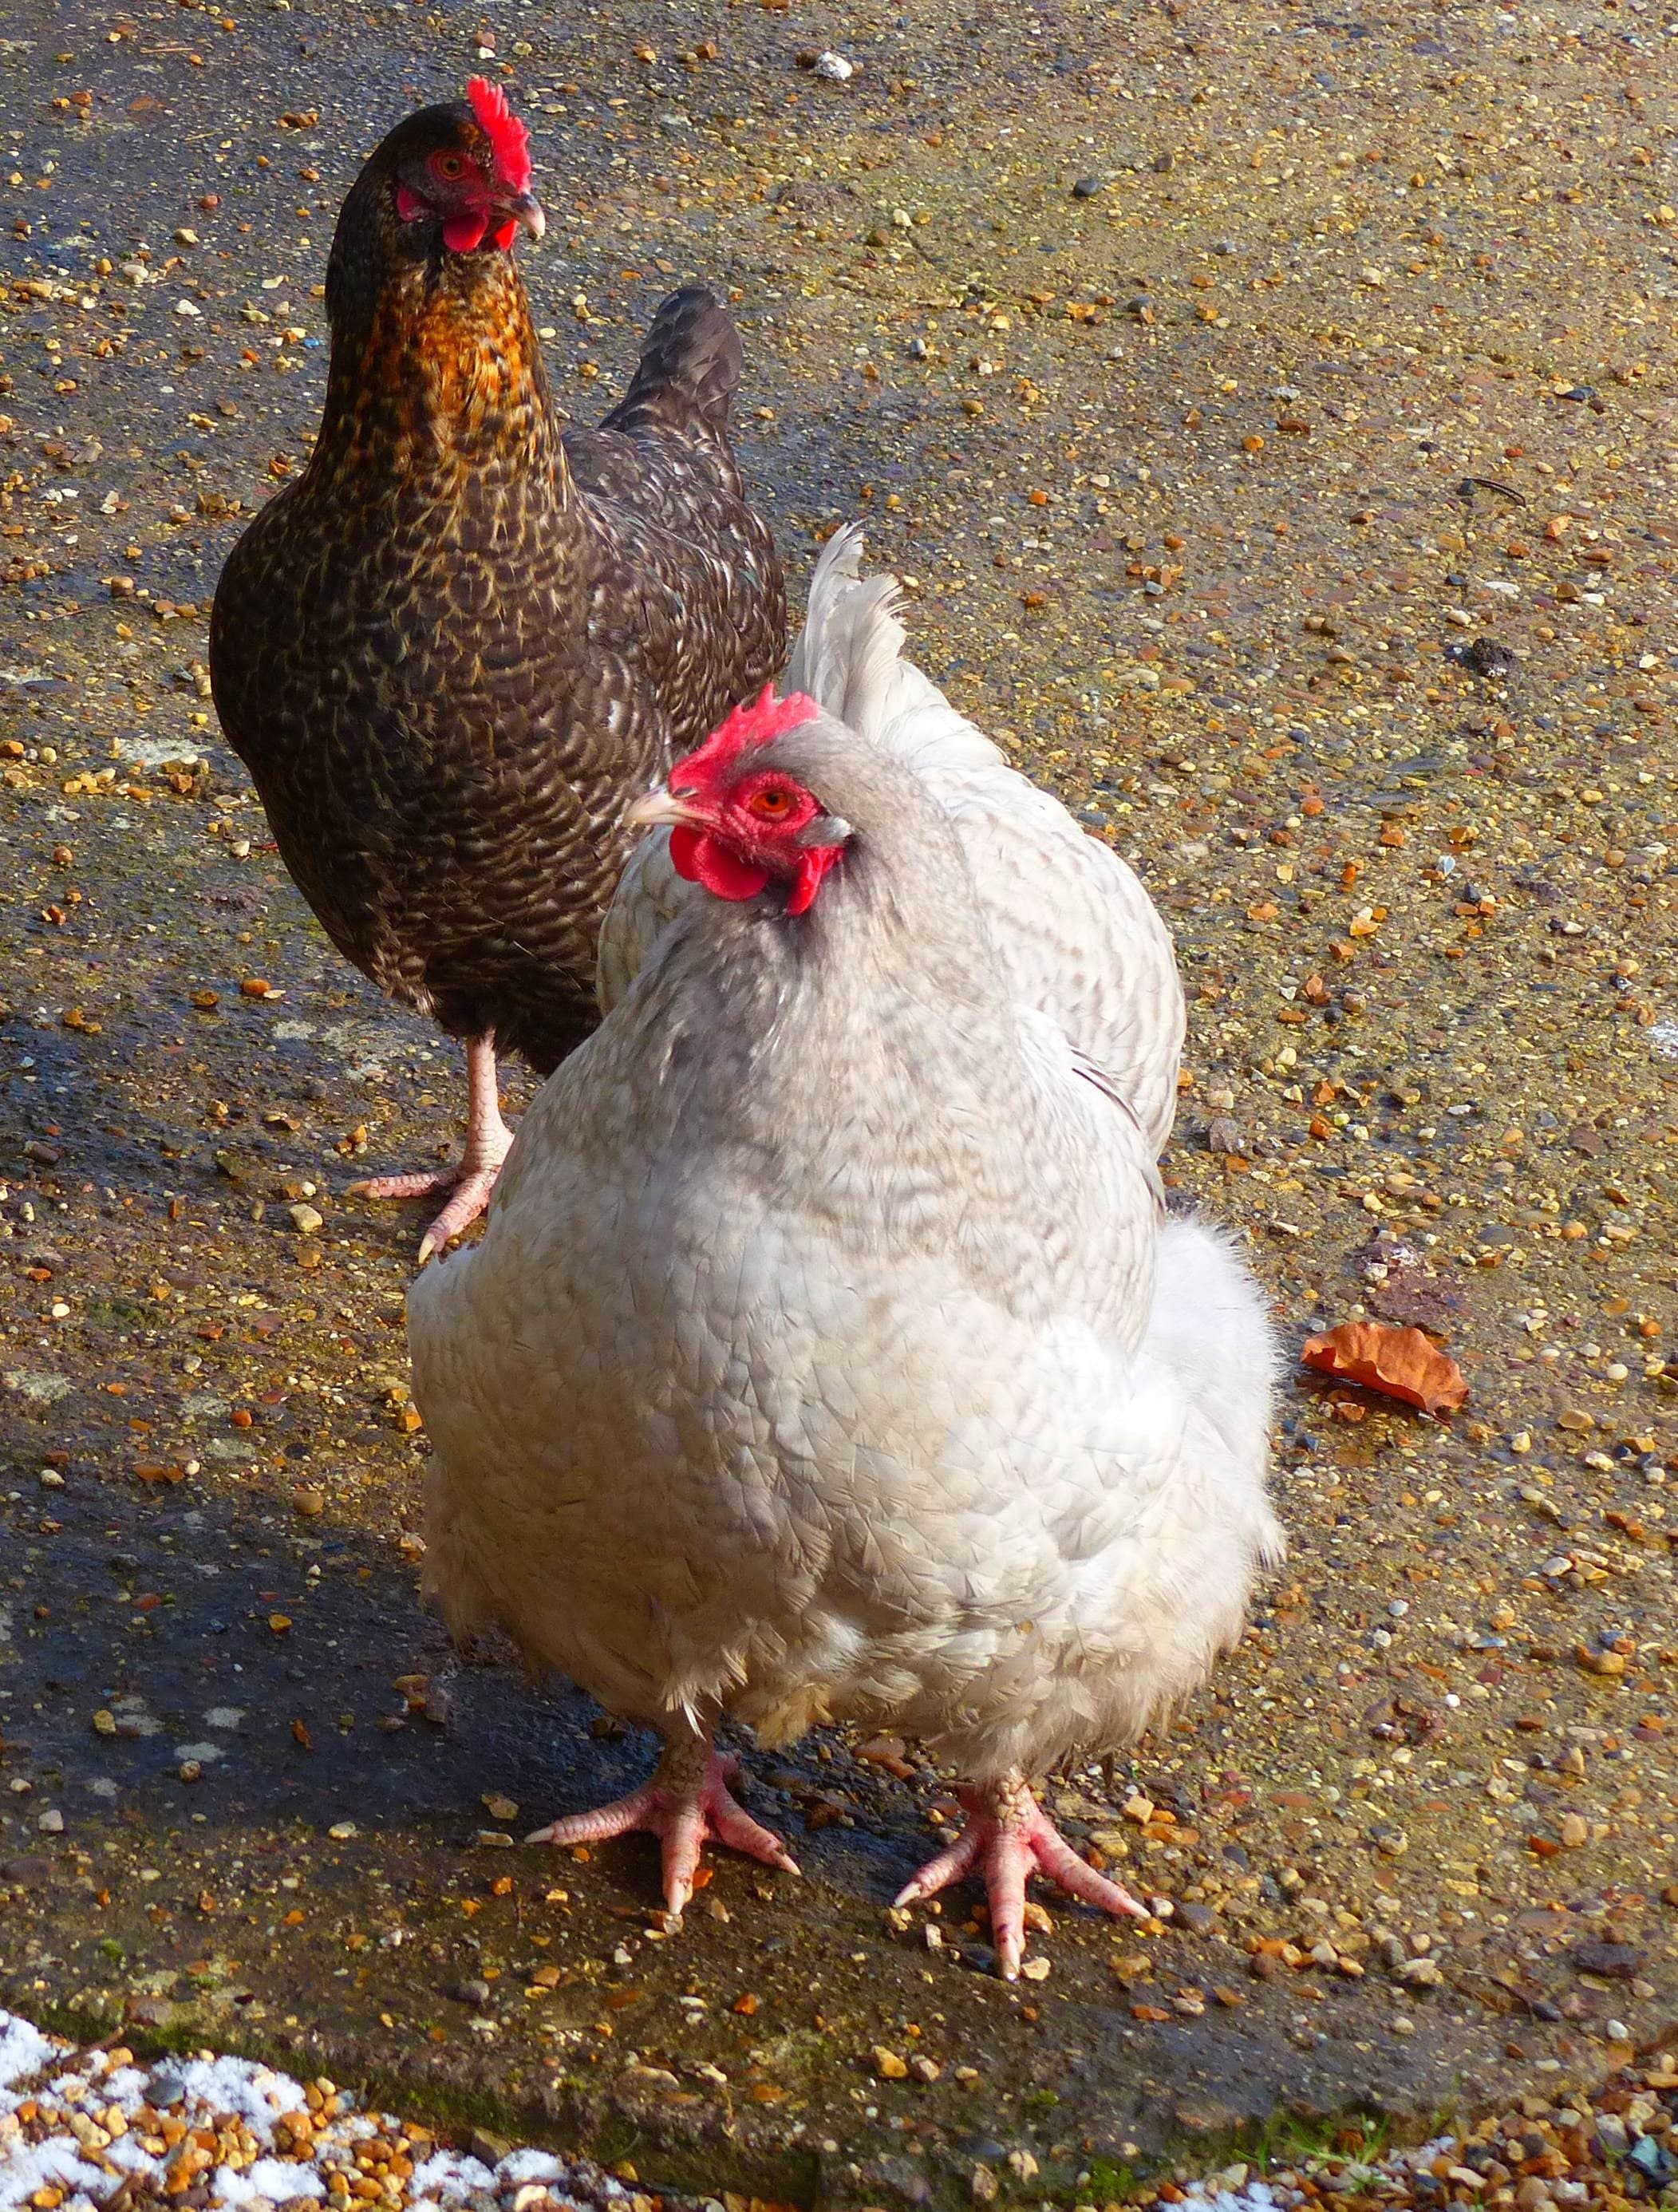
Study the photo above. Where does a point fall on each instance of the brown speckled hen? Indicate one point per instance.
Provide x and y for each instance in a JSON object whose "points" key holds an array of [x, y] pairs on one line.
{"points": [[454, 650]]}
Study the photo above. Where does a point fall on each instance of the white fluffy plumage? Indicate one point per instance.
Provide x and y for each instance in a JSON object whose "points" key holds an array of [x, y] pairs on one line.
{"points": [[829, 1353], [1081, 936]]}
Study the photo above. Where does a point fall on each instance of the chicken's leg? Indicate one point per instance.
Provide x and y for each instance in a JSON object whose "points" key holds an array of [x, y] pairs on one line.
{"points": [[1008, 1837], [488, 1140], [687, 1801]]}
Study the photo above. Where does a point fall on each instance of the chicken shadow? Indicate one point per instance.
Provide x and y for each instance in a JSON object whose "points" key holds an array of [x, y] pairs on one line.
{"points": [[209, 1659]]}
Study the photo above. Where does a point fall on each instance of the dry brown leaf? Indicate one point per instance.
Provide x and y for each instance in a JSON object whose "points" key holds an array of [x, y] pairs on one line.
{"points": [[1399, 1363]]}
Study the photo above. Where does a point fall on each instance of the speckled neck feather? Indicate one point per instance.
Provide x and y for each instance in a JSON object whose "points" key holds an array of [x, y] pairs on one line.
{"points": [[435, 360]]}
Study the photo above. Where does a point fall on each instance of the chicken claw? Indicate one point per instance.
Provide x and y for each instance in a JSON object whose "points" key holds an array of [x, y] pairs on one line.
{"points": [[488, 1140], [1008, 1837], [687, 1803]]}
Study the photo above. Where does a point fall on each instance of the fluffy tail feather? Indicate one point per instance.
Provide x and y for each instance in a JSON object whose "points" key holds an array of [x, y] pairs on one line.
{"points": [[688, 371], [849, 658], [847, 652], [1211, 1328]]}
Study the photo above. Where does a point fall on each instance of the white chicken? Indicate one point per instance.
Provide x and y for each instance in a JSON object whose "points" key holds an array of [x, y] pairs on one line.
{"points": [[827, 1354]]}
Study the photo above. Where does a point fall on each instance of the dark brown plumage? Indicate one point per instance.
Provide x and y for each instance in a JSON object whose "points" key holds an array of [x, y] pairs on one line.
{"points": [[464, 639]]}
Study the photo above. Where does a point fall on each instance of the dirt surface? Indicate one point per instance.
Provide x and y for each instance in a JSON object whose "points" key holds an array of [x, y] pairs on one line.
{"points": [[1275, 412]]}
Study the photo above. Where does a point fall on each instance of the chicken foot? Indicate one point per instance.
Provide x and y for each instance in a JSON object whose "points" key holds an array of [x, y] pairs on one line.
{"points": [[687, 1803], [488, 1140], [1009, 1837]]}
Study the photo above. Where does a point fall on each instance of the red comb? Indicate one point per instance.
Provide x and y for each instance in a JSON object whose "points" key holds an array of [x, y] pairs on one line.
{"points": [[746, 728], [510, 141]]}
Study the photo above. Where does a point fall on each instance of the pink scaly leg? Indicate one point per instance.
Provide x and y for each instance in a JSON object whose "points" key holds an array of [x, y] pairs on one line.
{"points": [[488, 1140], [687, 1803], [1008, 1837]]}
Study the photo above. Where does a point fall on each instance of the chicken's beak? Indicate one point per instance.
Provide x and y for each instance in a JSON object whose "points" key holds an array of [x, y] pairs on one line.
{"points": [[526, 210], [658, 809]]}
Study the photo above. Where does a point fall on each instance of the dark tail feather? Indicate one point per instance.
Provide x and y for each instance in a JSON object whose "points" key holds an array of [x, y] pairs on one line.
{"points": [[689, 373]]}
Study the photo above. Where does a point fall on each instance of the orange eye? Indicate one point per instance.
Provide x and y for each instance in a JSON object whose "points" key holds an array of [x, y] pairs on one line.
{"points": [[447, 164], [773, 803]]}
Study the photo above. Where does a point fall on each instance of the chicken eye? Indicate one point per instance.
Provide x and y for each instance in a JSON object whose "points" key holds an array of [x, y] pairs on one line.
{"points": [[447, 164], [772, 803]]}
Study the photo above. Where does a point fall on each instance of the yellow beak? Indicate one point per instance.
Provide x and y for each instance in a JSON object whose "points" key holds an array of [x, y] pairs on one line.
{"points": [[657, 809]]}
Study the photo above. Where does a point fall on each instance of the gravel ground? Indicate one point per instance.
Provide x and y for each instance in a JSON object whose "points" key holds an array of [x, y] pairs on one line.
{"points": [[80, 2129], [94, 2127], [1274, 414]]}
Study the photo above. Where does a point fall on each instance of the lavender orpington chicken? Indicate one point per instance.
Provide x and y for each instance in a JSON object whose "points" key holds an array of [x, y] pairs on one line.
{"points": [[829, 1354]]}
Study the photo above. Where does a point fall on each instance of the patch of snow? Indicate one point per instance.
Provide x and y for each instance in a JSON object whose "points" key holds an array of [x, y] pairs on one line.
{"points": [[64, 2081], [276, 2179], [55, 2163], [126, 2153], [23, 2050], [530, 2165], [253, 2093], [453, 2176], [125, 2088]]}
